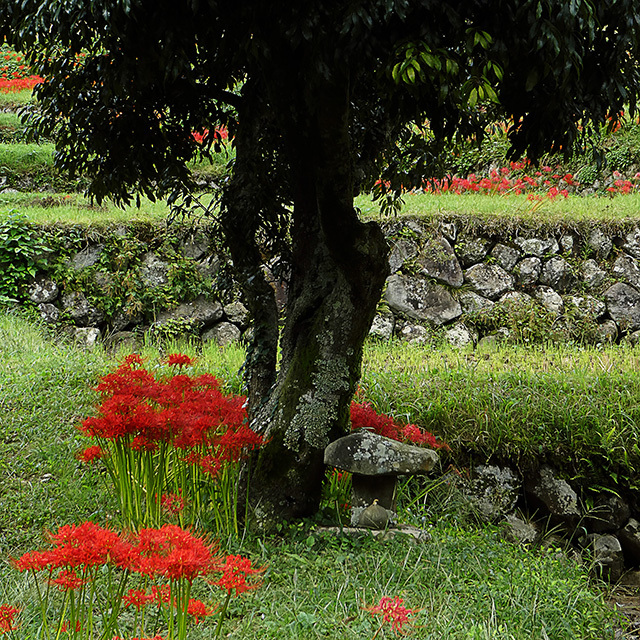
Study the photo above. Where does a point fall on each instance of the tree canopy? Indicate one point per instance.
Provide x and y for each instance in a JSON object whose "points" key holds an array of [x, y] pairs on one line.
{"points": [[323, 100]]}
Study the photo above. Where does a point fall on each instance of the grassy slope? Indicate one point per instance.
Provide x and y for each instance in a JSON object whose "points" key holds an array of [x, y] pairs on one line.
{"points": [[465, 583]]}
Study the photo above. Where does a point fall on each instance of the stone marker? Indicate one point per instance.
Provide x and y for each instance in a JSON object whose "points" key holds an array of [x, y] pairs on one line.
{"points": [[375, 463]]}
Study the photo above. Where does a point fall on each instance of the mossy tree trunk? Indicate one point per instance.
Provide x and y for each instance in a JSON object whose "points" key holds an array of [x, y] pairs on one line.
{"points": [[338, 268]]}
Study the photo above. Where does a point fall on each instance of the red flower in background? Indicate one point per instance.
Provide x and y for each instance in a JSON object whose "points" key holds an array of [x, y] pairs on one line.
{"points": [[8, 618], [235, 571]]}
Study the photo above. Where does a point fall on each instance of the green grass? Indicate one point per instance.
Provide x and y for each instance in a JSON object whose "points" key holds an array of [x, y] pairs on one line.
{"points": [[513, 210], [14, 100], [465, 583]]}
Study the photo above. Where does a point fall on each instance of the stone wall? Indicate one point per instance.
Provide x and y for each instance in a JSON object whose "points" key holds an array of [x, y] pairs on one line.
{"points": [[480, 283]]}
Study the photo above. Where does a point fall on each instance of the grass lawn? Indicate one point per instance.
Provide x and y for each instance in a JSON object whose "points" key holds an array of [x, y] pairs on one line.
{"points": [[464, 582]]}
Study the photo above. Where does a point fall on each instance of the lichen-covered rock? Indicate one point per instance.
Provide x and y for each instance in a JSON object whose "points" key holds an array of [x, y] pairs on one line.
{"points": [[86, 337], [538, 247], [382, 326], [201, 313], [194, 247], [493, 491], [518, 531], [237, 313], [49, 312], [631, 242], [557, 274], [599, 243], [223, 334], [421, 299], [401, 251], [550, 300], [567, 243], [507, 257], [370, 454], [460, 336], [546, 491], [449, 230], [515, 299], [592, 275], [80, 310], [586, 306], [607, 332], [153, 271], [43, 290], [623, 305], [470, 251], [610, 513], [472, 302], [626, 268], [607, 556], [438, 261], [527, 271], [413, 334], [629, 537], [489, 280], [87, 257]]}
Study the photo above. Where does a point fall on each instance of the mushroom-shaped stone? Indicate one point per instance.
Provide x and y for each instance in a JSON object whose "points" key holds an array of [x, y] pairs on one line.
{"points": [[375, 463]]}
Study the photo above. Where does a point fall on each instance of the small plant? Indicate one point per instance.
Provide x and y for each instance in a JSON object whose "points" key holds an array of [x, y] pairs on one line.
{"points": [[22, 253]]}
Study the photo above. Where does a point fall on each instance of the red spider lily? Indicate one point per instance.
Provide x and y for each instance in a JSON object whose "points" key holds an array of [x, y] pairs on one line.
{"points": [[173, 553], [393, 611], [235, 571], [198, 610], [90, 454], [179, 360], [67, 627], [364, 416], [8, 618], [137, 598], [172, 503], [69, 580], [19, 84]]}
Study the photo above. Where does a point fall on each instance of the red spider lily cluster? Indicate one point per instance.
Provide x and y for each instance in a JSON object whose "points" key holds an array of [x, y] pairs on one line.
{"points": [[363, 416], [185, 430], [219, 134], [165, 562], [392, 610], [8, 616], [15, 74]]}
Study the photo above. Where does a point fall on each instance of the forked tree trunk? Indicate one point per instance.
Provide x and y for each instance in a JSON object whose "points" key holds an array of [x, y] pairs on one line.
{"points": [[338, 269]]}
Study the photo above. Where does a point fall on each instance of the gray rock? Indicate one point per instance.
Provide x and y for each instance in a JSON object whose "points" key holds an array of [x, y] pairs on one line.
{"points": [[629, 537], [128, 339], [592, 275], [493, 491], [557, 274], [632, 338], [599, 243], [607, 555], [459, 336], [382, 326], [194, 247], [401, 251], [550, 300], [626, 268], [607, 332], [438, 261], [237, 313], [527, 271], [489, 280], [80, 311], [123, 319], [631, 243], [449, 230], [49, 312], [201, 313], [623, 305], [538, 247], [87, 257], [154, 272], [370, 454], [586, 306], [86, 337], [470, 251], [547, 491], [208, 267], [567, 243], [472, 302], [421, 299], [507, 257], [610, 513], [518, 531], [515, 299], [223, 334], [414, 334], [43, 290]]}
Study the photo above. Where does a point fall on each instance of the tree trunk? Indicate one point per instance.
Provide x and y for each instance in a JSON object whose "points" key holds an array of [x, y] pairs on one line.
{"points": [[339, 266]]}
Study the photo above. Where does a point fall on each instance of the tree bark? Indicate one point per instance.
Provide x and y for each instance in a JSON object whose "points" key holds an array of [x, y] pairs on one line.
{"points": [[339, 266]]}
